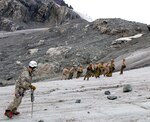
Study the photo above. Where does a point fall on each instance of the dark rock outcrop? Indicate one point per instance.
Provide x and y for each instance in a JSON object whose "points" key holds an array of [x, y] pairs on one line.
{"points": [[20, 13], [119, 27], [8, 25]]}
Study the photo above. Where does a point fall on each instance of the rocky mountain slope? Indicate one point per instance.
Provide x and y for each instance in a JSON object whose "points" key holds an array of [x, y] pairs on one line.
{"points": [[22, 14], [73, 41]]}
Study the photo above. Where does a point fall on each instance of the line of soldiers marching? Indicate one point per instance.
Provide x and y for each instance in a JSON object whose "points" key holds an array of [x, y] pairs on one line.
{"points": [[24, 80], [93, 70]]}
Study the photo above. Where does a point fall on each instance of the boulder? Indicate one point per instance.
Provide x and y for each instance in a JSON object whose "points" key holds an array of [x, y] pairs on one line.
{"points": [[8, 25], [78, 101], [107, 92], [111, 97], [41, 121], [127, 88]]}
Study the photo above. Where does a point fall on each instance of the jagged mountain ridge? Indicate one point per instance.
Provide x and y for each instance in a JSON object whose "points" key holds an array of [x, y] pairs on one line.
{"points": [[23, 14]]}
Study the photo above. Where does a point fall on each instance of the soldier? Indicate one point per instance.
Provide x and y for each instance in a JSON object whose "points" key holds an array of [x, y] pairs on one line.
{"points": [[71, 72], [22, 84], [65, 73], [111, 68], [106, 69], [79, 71], [97, 70], [112, 65], [89, 72], [123, 66], [102, 69]]}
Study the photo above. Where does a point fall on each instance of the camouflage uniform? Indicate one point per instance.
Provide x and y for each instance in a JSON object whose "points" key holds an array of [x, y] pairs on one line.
{"points": [[22, 84], [65, 73], [79, 71], [111, 69], [89, 72], [102, 68], [97, 70], [71, 73], [123, 66]]}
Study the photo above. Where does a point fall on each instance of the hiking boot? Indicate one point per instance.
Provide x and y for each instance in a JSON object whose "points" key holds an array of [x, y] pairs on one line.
{"points": [[8, 113], [16, 113]]}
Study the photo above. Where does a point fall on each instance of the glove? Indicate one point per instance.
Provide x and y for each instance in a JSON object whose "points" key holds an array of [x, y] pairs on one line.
{"points": [[32, 87]]}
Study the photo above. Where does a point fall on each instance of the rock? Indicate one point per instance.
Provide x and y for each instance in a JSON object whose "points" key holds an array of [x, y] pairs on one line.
{"points": [[33, 51], [82, 87], [78, 101], [127, 88], [118, 27], [57, 51], [18, 63], [41, 42], [22, 12], [107, 93], [148, 26], [60, 101], [110, 97], [41, 121], [8, 25]]}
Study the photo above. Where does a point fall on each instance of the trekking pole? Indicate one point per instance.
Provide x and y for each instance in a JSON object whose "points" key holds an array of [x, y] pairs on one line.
{"points": [[32, 100]]}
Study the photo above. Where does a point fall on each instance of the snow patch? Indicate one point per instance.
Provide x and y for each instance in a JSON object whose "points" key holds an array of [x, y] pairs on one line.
{"points": [[130, 37], [125, 39]]}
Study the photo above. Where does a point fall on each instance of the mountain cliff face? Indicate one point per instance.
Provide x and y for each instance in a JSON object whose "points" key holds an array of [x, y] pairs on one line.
{"points": [[67, 39], [22, 14]]}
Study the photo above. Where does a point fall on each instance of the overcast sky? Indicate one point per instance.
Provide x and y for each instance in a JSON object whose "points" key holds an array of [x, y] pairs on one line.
{"points": [[133, 10]]}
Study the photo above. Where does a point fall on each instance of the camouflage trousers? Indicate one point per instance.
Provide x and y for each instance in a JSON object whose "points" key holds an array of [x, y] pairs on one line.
{"points": [[79, 74], [70, 75], [13, 106]]}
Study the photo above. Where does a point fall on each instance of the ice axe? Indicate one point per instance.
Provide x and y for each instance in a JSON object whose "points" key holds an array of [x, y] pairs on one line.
{"points": [[32, 101]]}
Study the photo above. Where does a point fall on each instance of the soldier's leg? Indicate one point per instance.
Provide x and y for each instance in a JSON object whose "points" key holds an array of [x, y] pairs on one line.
{"points": [[15, 103], [12, 108], [88, 77], [71, 75], [77, 75], [80, 74], [121, 71], [65, 76], [85, 76]]}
